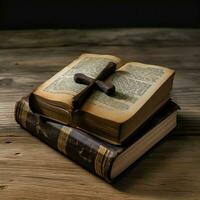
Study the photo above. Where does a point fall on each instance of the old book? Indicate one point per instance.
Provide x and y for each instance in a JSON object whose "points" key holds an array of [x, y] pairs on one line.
{"points": [[103, 159], [141, 89]]}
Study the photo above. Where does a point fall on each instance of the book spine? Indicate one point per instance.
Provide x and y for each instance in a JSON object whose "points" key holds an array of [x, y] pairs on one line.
{"points": [[75, 144]]}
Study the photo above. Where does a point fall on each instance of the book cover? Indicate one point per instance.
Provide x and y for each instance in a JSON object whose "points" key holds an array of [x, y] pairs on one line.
{"points": [[91, 153]]}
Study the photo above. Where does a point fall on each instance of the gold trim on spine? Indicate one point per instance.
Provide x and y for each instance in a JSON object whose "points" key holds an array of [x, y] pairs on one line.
{"points": [[99, 160], [23, 113], [104, 163], [62, 139]]}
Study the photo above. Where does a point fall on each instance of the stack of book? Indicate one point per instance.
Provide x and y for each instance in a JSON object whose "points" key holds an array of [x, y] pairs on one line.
{"points": [[101, 113]]}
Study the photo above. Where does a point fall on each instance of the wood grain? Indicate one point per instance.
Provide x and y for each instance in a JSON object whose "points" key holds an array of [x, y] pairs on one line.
{"points": [[31, 170], [104, 37]]}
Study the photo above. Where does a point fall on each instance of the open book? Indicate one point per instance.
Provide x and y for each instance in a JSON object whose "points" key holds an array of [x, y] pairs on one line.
{"points": [[140, 90]]}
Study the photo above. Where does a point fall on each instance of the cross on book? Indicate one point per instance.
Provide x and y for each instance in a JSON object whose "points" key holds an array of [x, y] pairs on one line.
{"points": [[92, 84]]}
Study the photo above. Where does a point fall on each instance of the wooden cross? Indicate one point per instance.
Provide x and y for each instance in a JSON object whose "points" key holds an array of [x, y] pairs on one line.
{"points": [[97, 83]]}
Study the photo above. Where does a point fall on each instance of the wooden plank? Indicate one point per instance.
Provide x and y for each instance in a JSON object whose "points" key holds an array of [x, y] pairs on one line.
{"points": [[100, 37], [166, 171], [54, 58]]}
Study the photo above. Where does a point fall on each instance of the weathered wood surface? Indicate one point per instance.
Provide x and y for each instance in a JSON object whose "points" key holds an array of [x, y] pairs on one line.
{"points": [[30, 169]]}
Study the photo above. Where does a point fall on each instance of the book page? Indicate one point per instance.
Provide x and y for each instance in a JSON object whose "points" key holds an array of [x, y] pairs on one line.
{"points": [[62, 87], [135, 83], [131, 83]]}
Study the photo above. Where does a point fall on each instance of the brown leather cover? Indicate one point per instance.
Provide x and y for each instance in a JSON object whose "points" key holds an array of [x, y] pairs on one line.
{"points": [[91, 153]]}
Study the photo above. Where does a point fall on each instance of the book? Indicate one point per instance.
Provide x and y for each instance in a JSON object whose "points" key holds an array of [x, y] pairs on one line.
{"points": [[103, 159], [140, 90]]}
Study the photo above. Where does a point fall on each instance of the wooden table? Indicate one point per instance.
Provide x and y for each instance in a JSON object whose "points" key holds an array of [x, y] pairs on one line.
{"points": [[30, 169]]}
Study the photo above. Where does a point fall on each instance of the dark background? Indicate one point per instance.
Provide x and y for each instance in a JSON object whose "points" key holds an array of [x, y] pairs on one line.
{"points": [[28, 14]]}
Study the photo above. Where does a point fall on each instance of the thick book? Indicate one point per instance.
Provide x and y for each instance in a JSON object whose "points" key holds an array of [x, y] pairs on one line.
{"points": [[140, 90], [101, 158]]}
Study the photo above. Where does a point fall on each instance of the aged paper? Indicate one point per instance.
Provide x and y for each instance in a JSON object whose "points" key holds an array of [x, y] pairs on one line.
{"points": [[135, 83], [90, 66], [61, 88], [131, 82]]}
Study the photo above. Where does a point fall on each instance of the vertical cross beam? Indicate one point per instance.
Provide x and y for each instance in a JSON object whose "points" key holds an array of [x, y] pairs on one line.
{"points": [[92, 84]]}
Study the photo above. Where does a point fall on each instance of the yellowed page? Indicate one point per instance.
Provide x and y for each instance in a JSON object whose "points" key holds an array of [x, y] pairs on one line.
{"points": [[62, 88], [135, 83]]}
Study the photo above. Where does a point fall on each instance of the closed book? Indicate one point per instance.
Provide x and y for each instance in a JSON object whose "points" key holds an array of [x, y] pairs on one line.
{"points": [[112, 115], [101, 158]]}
